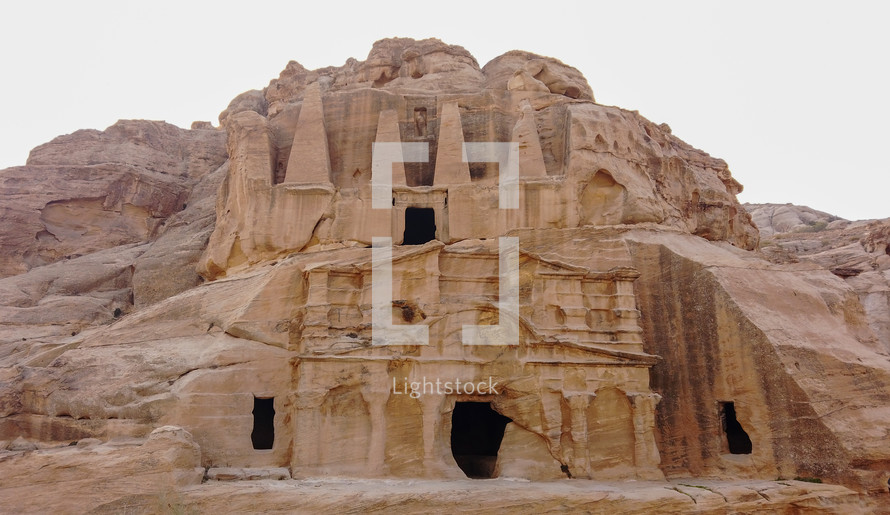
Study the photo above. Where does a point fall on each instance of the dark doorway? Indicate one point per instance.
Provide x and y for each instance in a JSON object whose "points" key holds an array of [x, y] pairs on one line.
{"points": [[420, 225], [263, 435], [736, 437], [476, 434]]}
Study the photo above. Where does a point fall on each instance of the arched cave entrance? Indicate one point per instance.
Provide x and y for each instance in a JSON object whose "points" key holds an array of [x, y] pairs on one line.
{"points": [[737, 439], [476, 434], [420, 225], [263, 434]]}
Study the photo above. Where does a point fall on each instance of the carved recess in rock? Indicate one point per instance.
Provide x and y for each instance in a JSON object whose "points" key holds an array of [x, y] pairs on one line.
{"points": [[602, 200]]}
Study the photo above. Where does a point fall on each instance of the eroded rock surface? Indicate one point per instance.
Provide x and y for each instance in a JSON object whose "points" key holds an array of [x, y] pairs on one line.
{"points": [[93, 190], [220, 281], [85, 476], [300, 176], [857, 252]]}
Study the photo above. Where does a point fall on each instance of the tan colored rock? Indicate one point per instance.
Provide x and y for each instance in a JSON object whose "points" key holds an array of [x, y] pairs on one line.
{"points": [[524, 71], [451, 159], [153, 146], [169, 264], [62, 299], [853, 251], [798, 330], [573, 152], [680, 497], [237, 241], [310, 162], [388, 132], [21, 445], [253, 100], [202, 125], [522, 80], [95, 190], [526, 455], [525, 133], [771, 219], [83, 479], [247, 474], [648, 338]]}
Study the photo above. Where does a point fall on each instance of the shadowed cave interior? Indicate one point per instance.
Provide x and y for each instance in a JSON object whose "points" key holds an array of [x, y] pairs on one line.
{"points": [[737, 439], [476, 434], [263, 434], [420, 225]]}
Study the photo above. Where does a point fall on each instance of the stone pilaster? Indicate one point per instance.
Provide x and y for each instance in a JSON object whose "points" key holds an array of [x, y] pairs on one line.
{"points": [[646, 456], [431, 406], [551, 404], [376, 400], [307, 430], [578, 402]]}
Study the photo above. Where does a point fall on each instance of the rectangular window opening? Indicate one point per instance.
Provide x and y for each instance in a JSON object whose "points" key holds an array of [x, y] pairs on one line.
{"points": [[263, 434], [420, 226], [737, 440]]}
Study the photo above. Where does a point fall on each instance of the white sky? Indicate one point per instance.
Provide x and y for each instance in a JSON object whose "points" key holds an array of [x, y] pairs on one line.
{"points": [[794, 96]]}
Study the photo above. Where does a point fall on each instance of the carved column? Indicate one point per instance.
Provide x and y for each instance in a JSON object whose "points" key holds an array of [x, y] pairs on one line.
{"points": [[431, 406], [578, 402], [307, 425], [552, 420], [376, 400], [625, 303], [646, 454]]}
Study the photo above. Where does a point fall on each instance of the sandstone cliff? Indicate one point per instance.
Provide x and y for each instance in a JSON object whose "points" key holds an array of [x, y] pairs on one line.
{"points": [[637, 267], [857, 252], [99, 222]]}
